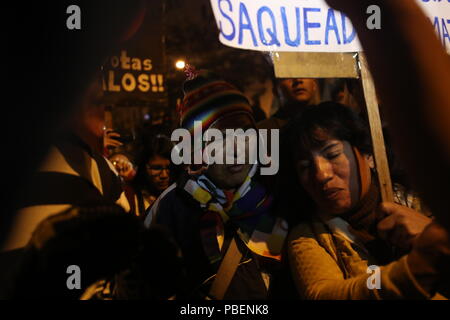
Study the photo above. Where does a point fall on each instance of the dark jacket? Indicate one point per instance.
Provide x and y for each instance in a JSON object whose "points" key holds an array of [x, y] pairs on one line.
{"points": [[176, 210]]}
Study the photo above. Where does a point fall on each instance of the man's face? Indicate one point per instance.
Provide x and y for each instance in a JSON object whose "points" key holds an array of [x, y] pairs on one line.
{"points": [[302, 90], [231, 176]]}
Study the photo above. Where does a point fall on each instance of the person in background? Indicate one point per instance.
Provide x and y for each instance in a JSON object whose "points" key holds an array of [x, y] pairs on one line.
{"points": [[345, 228], [262, 96], [74, 173], [296, 94], [349, 92], [154, 172]]}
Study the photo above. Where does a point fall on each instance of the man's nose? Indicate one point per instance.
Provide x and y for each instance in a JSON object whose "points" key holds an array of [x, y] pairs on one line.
{"points": [[297, 81], [323, 170], [164, 173], [235, 147]]}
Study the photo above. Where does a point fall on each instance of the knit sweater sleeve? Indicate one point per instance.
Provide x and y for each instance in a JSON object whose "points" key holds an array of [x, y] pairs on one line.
{"points": [[318, 276]]}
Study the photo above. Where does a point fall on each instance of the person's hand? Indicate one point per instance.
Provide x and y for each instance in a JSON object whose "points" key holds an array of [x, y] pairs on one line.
{"points": [[110, 140], [429, 260], [401, 225], [124, 168]]}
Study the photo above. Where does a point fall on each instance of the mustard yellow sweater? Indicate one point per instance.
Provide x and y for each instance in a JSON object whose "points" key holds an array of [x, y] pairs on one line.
{"points": [[318, 274]]}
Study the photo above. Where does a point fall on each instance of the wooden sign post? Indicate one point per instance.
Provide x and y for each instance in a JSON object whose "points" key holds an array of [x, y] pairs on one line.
{"points": [[376, 131]]}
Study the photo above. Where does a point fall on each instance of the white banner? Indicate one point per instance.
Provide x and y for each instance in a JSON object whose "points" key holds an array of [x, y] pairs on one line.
{"points": [[302, 25]]}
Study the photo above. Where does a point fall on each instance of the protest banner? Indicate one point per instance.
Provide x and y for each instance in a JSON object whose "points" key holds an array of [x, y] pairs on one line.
{"points": [[135, 73], [303, 25]]}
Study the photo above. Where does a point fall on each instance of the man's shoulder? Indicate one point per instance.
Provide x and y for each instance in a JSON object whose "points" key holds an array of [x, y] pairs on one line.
{"points": [[169, 194], [172, 203], [164, 201]]}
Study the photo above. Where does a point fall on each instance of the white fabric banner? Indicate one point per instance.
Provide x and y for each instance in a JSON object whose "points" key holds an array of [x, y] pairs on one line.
{"points": [[302, 25]]}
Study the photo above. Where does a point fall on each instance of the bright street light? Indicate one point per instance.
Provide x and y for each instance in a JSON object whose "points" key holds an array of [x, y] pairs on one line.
{"points": [[180, 64]]}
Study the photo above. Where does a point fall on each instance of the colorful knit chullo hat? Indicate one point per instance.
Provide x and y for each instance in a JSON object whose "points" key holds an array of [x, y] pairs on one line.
{"points": [[208, 98]]}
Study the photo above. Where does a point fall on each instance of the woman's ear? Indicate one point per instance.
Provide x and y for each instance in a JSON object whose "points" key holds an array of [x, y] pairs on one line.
{"points": [[370, 160]]}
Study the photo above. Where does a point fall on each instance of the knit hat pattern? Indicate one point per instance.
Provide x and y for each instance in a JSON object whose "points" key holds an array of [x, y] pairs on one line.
{"points": [[208, 98]]}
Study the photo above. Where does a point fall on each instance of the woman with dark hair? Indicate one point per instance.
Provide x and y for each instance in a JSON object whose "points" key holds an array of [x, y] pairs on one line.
{"points": [[345, 230], [154, 173], [309, 131]]}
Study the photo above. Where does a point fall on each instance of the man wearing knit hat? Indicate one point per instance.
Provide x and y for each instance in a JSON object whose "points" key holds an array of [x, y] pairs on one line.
{"points": [[219, 214]]}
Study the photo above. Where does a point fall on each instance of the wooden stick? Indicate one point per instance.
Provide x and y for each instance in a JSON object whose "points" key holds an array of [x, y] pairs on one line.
{"points": [[379, 149]]}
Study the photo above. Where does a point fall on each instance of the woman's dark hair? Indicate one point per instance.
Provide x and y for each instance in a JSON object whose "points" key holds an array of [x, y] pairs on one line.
{"points": [[335, 120], [158, 145], [300, 135]]}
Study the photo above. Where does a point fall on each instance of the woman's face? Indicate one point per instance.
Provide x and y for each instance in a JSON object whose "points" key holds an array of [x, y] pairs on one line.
{"points": [[329, 174], [158, 172]]}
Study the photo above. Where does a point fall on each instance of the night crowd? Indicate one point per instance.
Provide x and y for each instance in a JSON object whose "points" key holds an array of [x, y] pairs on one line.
{"points": [[139, 226]]}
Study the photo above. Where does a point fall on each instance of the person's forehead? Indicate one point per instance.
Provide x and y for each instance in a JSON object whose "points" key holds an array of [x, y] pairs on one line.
{"points": [[297, 79], [321, 140], [324, 145], [320, 149], [238, 121], [158, 159], [330, 143]]}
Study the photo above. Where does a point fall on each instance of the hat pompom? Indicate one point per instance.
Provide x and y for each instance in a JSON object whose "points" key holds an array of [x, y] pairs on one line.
{"points": [[207, 97], [190, 72]]}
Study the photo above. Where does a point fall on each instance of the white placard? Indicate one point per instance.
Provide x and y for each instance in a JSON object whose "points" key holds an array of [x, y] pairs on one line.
{"points": [[302, 25]]}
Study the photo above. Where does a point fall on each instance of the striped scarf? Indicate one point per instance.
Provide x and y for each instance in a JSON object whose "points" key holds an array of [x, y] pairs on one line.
{"points": [[248, 209]]}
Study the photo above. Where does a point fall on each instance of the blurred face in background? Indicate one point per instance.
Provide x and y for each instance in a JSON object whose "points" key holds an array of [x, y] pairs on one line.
{"points": [[158, 172], [352, 95], [302, 90], [89, 119]]}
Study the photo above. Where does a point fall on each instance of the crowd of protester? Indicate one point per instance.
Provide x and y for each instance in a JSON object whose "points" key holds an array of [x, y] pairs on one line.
{"points": [[141, 227]]}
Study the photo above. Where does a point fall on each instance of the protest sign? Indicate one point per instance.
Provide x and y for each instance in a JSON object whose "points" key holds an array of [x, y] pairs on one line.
{"points": [[302, 25], [135, 74]]}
